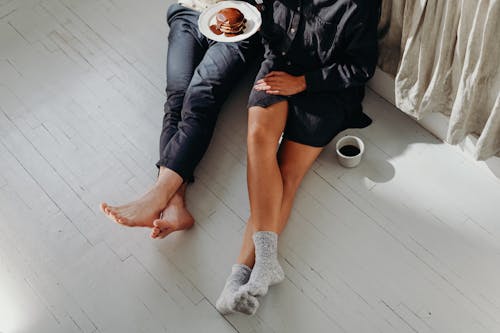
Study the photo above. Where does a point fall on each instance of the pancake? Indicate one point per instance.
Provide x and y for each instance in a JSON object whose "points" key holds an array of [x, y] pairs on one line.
{"points": [[229, 21]]}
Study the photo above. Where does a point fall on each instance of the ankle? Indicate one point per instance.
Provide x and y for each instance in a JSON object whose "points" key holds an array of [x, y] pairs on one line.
{"points": [[177, 200], [248, 261], [162, 184]]}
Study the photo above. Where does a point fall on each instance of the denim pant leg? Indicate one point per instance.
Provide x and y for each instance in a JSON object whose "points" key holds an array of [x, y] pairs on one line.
{"points": [[186, 48], [212, 81]]}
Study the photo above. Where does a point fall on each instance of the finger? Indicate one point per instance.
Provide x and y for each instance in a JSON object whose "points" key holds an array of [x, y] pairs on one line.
{"points": [[274, 92], [278, 85], [275, 73], [264, 79], [274, 80], [270, 79], [262, 87]]}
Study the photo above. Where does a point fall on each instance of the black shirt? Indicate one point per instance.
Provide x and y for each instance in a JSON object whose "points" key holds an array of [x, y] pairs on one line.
{"points": [[332, 42]]}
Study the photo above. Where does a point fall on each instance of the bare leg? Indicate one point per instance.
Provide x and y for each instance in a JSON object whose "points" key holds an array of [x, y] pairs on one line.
{"points": [[265, 189], [174, 217], [142, 212], [295, 159], [247, 251], [265, 186], [268, 177]]}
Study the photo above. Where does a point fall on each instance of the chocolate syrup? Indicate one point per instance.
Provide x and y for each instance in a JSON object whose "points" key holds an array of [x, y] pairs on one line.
{"points": [[215, 30]]}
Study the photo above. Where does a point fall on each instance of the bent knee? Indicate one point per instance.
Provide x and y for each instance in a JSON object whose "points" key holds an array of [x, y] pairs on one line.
{"points": [[261, 136], [266, 125]]}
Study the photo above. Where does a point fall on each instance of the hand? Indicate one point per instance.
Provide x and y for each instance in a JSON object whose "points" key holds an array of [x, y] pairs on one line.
{"points": [[281, 83]]}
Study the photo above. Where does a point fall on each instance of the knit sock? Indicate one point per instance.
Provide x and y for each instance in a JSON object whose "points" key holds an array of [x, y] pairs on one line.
{"points": [[229, 300], [267, 270]]}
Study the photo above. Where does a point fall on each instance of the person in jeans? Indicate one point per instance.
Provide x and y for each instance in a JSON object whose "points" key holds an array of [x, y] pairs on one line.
{"points": [[200, 75]]}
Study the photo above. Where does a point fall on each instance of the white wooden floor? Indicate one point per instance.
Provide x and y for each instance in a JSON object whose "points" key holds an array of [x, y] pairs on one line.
{"points": [[407, 242]]}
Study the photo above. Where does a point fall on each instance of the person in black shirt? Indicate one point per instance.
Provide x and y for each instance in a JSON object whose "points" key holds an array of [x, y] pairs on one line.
{"points": [[318, 56]]}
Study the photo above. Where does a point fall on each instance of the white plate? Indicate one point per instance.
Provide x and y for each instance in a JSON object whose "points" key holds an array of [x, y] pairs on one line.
{"points": [[252, 15]]}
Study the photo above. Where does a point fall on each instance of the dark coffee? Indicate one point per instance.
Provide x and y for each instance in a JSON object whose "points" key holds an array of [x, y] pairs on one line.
{"points": [[349, 150]]}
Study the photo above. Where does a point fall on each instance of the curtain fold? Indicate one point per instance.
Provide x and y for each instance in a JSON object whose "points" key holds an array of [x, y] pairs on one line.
{"points": [[445, 57]]}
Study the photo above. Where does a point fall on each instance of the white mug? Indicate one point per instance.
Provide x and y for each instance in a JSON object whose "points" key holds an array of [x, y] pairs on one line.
{"points": [[350, 161]]}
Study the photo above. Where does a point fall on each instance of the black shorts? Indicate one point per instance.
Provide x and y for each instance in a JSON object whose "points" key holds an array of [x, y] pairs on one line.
{"points": [[314, 118]]}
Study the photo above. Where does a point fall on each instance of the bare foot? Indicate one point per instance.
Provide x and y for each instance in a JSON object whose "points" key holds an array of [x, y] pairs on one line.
{"points": [[174, 218], [140, 213]]}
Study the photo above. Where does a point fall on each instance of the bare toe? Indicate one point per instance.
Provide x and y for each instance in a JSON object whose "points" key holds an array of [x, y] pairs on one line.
{"points": [[107, 209], [162, 224], [103, 207], [165, 227], [114, 215], [155, 232], [165, 233]]}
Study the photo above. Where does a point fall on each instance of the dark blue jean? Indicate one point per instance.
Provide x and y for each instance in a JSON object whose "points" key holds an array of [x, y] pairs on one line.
{"points": [[200, 75]]}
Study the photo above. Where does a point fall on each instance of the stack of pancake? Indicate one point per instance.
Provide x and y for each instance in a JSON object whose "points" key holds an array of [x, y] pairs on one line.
{"points": [[230, 22]]}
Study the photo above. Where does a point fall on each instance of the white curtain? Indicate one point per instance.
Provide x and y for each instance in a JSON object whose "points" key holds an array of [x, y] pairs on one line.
{"points": [[445, 56]]}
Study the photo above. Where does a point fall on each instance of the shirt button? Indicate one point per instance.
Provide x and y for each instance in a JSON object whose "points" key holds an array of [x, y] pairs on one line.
{"points": [[283, 53], [292, 30], [288, 63], [298, 9]]}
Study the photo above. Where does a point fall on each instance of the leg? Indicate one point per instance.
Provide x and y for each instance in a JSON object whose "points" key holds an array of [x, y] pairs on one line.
{"points": [[265, 189], [175, 217], [209, 87], [265, 186], [212, 81], [294, 161], [185, 51]]}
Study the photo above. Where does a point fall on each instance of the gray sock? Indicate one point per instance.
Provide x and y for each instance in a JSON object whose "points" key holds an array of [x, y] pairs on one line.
{"points": [[267, 270], [229, 300]]}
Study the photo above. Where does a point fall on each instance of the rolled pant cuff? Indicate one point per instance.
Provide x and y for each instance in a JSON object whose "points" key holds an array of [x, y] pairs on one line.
{"points": [[187, 177]]}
